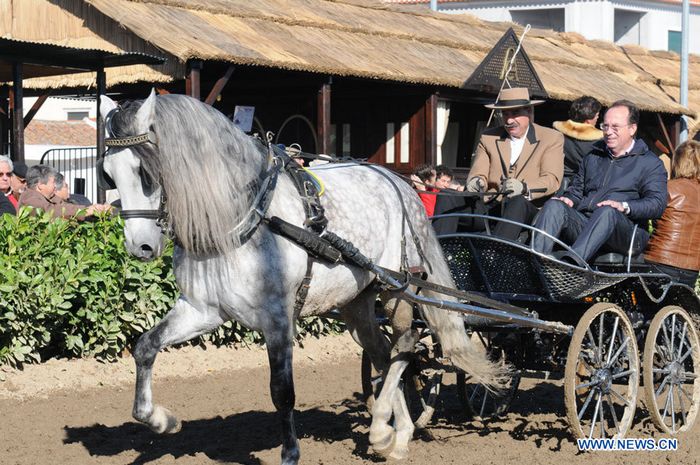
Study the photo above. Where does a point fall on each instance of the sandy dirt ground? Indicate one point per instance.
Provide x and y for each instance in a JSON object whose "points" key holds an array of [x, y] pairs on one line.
{"points": [[78, 412]]}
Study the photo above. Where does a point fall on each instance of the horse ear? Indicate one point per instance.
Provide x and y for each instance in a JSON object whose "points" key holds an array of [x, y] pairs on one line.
{"points": [[106, 105], [145, 114]]}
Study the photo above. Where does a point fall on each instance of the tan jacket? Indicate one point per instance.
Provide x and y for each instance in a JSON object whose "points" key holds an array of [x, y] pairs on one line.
{"points": [[676, 239], [34, 198], [540, 165]]}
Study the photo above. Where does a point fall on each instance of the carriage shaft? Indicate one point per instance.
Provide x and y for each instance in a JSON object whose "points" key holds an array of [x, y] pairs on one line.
{"points": [[498, 315]]}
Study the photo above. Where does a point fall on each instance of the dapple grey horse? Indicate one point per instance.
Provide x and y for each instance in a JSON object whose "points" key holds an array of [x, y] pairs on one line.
{"points": [[174, 154]]}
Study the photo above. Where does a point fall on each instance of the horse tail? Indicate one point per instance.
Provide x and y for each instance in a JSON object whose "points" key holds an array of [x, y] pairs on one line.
{"points": [[456, 343]]}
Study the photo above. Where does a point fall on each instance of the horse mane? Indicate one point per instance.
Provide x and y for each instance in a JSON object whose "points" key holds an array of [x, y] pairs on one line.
{"points": [[207, 167]]}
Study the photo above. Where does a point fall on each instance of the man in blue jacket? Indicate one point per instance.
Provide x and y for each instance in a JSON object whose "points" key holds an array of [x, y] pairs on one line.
{"points": [[619, 183]]}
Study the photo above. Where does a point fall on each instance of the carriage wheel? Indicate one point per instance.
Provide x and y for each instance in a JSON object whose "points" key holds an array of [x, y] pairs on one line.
{"points": [[421, 381], [477, 401], [671, 370], [601, 380]]}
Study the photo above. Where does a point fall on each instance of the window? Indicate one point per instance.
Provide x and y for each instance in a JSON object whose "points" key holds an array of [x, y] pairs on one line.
{"points": [[674, 41], [77, 115], [390, 146], [346, 140]]}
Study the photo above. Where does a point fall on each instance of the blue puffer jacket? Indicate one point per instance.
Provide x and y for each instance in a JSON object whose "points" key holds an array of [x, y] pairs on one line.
{"points": [[638, 178]]}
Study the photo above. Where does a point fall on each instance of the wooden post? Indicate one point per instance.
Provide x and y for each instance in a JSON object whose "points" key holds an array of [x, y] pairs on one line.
{"points": [[4, 120], [101, 90], [430, 130], [193, 86], [17, 114], [35, 108], [323, 123], [219, 86]]}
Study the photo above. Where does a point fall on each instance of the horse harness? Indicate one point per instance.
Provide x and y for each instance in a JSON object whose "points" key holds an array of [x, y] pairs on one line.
{"points": [[314, 237]]}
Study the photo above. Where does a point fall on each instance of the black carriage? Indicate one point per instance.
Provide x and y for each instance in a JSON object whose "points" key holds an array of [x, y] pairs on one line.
{"points": [[608, 327]]}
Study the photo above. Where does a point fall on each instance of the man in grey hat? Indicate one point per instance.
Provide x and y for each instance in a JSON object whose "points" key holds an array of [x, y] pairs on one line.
{"points": [[521, 162]]}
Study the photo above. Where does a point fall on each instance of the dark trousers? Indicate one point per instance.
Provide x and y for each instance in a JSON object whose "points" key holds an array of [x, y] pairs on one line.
{"points": [[605, 227], [517, 209]]}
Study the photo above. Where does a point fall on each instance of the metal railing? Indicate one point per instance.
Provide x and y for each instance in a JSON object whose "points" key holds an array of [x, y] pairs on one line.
{"points": [[77, 164]]}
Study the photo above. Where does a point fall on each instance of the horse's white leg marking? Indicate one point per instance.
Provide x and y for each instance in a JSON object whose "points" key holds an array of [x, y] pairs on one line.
{"points": [[381, 434], [404, 427], [183, 322]]}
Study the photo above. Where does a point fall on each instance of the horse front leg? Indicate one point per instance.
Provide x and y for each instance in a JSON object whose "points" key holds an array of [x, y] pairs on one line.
{"points": [[182, 323], [279, 352]]}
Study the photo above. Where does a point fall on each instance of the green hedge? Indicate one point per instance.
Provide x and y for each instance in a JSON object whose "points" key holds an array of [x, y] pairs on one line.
{"points": [[70, 289]]}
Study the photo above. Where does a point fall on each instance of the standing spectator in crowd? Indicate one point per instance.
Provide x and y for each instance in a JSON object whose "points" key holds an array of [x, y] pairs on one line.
{"points": [[424, 182], [41, 188], [18, 183], [63, 193], [674, 248], [580, 134], [619, 183], [513, 159], [6, 169]]}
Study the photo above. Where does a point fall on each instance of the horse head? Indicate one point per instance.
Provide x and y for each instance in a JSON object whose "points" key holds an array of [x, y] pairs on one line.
{"points": [[123, 168]]}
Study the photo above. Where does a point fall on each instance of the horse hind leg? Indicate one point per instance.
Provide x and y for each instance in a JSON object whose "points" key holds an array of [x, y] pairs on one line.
{"points": [[182, 323]]}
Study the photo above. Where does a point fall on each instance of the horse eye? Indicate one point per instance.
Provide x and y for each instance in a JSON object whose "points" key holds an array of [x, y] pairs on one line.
{"points": [[146, 181]]}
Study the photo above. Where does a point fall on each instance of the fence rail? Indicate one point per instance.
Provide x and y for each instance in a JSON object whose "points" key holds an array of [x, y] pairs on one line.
{"points": [[77, 164]]}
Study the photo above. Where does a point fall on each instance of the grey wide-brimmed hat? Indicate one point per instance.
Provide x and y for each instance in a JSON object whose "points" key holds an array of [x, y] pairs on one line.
{"points": [[513, 98], [20, 170]]}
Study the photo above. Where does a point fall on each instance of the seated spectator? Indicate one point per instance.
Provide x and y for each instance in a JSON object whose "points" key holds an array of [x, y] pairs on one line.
{"points": [[673, 248], [41, 188], [424, 182], [444, 179], [620, 183], [579, 133]]}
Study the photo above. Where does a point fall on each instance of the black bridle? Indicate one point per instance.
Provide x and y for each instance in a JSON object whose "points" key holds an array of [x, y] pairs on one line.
{"points": [[248, 224], [160, 215]]}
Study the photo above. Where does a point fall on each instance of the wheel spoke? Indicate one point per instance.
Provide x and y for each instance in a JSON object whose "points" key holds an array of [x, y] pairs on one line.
{"points": [[611, 407], [589, 384], [592, 340], [673, 410], [673, 332], [623, 373], [600, 337], [682, 341], [585, 404], [612, 339], [595, 415], [602, 416], [663, 417], [690, 375], [661, 387], [680, 400], [474, 392], [685, 355], [685, 393], [483, 403], [621, 348], [665, 334], [619, 396], [661, 371]]}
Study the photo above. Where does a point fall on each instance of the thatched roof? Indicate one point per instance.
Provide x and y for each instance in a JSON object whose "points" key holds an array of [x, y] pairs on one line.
{"points": [[359, 38]]}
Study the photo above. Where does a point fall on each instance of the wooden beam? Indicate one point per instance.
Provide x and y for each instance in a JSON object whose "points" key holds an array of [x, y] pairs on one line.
{"points": [[193, 82], [323, 123], [101, 90], [17, 114], [35, 108], [670, 143], [219, 86], [431, 105], [4, 120]]}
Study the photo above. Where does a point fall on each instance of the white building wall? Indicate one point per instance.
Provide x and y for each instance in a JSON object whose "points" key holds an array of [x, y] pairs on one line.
{"points": [[595, 19], [56, 109]]}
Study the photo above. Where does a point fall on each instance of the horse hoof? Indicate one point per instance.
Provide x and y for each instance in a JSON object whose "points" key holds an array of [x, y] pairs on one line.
{"points": [[162, 421], [399, 453], [385, 445]]}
